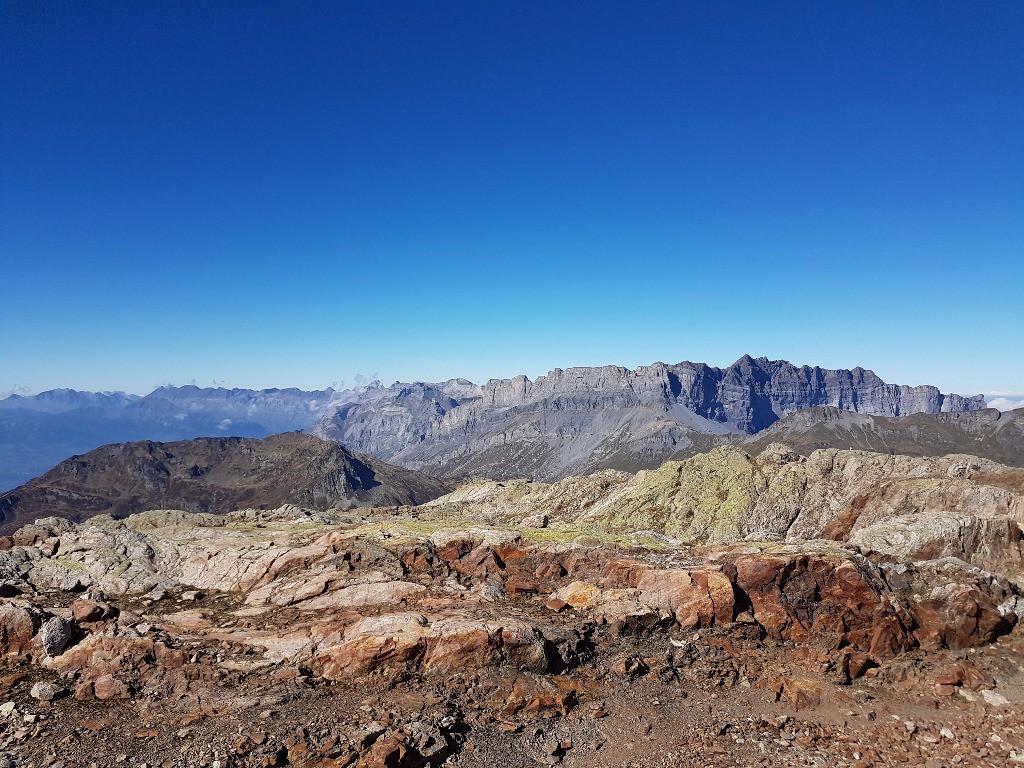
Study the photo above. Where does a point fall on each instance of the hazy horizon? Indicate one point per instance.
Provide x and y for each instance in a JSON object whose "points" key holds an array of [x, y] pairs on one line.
{"points": [[1002, 399]]}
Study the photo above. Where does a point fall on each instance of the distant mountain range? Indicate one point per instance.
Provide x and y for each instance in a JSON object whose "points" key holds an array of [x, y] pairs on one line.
{"points": [[214, 475], [40, 430], [574, 421], [568, 422]]}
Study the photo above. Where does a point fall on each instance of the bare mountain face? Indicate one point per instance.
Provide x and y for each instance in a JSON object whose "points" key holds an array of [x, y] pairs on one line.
{"points": [[214, 475], [988, 433], [581, 419]]}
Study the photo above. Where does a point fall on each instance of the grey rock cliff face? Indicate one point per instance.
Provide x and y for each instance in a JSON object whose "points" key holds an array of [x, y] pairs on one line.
{"points": [[579, 419]]}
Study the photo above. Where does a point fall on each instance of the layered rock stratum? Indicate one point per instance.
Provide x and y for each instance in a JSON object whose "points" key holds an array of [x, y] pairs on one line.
{"points": [[577, 420], [214, 475], [845, 608]]}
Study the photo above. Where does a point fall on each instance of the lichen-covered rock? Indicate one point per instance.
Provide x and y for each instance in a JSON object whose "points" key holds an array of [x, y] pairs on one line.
{"points": [[900, 507], [45, 691]]}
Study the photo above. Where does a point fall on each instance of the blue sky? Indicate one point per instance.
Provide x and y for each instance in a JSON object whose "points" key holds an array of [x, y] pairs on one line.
{"points": [[278, 194]]}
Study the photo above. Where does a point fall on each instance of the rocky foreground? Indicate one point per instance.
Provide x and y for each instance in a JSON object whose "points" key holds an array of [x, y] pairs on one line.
{"points": [[469, 633]]}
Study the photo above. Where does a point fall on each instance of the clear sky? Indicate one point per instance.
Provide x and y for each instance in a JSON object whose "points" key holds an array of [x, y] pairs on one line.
{"points": [[293, 193]]}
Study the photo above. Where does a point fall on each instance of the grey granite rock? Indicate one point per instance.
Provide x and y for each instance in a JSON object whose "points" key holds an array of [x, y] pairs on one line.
{"points": [[55, 635]]}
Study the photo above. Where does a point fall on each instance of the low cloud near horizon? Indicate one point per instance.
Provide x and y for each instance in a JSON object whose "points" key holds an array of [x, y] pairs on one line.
{"points": [[1005, 401]]}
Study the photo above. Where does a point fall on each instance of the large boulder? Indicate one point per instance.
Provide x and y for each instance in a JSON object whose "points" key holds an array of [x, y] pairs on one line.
{"points": [[394, 640], [18, 625], [825, 595]]}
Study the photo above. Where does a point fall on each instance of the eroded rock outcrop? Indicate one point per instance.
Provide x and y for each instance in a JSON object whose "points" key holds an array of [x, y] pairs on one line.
{"points": [[904, 508]]}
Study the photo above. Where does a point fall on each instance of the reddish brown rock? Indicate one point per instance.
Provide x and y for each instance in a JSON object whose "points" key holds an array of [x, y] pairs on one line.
{"points": [[536, 696], [98, 656], [623, 573], [802, 692], [960, 616], [30, 535], [18, 626], [86, 611], [458, 644], [387, 752], [549, 570], [519, 588], [85, 691], [480, 563], [396, 641], [454, 549], [965, 673], [108, 687], [826, 598], [695, 599], [579, 594], [853, 664]]}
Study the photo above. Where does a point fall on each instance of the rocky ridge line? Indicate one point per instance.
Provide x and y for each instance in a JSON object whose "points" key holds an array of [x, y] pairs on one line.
{"points": [[576, 420]]}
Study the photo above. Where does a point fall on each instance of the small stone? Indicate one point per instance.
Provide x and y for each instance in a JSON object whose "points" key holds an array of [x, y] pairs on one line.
{"points": [[45, 691], [946, 733], [7, 709], [994, 699]]}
